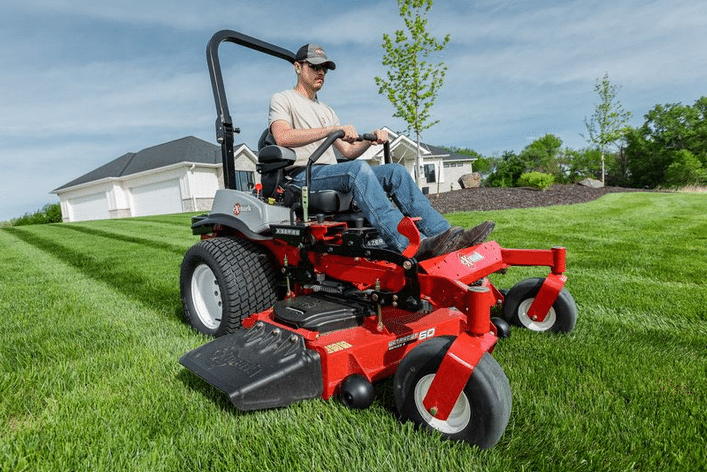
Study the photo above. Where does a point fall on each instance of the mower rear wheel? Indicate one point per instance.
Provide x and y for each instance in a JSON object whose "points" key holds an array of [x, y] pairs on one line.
{"points": [[223, 280], [561, 318], [481, 413]]}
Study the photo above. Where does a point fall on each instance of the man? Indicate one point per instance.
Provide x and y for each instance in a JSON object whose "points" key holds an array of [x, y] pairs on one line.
{"points": [[298, 120]]}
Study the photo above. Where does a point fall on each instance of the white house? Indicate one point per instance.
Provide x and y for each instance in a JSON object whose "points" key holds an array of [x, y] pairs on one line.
{"points": [[440, 170], [174, 177], [183, 176]]}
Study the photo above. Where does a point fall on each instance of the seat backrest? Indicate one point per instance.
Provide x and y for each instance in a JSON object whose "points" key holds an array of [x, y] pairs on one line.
{"points": [[272, 162], [266, 139]]}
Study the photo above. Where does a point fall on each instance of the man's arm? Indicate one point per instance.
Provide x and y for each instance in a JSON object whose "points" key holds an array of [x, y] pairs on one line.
{"points": [[286, 135]]}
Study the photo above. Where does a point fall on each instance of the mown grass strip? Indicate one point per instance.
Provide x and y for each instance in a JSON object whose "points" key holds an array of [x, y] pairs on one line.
{"points": [[92, 331], [146, 272]]}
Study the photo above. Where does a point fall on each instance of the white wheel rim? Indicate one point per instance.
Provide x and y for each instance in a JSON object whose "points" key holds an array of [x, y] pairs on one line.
{"points": [[459, 417], [206, 296], [525, 320]]}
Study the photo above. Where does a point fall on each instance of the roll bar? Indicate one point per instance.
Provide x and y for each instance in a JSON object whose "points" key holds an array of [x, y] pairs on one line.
{"points": [[224, 122]]}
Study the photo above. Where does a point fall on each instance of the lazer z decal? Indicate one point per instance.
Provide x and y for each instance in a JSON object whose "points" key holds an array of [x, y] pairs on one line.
{"points": [[411, 338]]}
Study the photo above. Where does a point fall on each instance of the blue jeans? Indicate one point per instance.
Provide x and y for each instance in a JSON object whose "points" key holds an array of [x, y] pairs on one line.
{"points": [[371, 187]]}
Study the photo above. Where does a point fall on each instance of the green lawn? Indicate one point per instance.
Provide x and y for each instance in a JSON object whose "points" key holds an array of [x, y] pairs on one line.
{"points": [[92, 331]]}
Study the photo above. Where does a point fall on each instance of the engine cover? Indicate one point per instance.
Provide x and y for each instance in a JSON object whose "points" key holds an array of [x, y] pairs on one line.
{"points": [[322, 313]]}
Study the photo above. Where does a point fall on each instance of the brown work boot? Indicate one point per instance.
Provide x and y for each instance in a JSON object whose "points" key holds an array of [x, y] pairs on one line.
{"points": [[439, 244], [474, 236]]}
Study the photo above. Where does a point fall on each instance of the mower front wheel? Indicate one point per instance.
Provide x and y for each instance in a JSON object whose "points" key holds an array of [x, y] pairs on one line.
{"points": [[560, 319], [481, 413], [223, 280]]}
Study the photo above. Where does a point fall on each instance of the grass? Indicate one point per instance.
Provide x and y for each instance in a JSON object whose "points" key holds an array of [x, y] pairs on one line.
{"points": [[92, 330]]}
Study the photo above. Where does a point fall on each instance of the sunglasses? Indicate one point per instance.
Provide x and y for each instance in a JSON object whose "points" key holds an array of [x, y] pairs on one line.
{"points": [[317, 67]]}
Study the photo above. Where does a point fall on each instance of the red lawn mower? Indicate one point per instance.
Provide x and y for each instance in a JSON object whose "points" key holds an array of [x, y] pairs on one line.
{"points": [[306, 301]]}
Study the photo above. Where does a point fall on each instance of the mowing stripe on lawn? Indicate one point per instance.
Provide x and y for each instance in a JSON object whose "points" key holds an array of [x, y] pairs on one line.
{"points": [[92, 331]]}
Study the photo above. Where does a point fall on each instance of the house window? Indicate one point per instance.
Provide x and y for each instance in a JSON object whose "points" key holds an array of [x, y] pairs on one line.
{"points": [[430, 173], [245, 180]]}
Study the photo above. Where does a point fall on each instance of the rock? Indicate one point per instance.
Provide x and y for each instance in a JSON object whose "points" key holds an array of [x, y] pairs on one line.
{"points": [[592, 183], [472, 180]]}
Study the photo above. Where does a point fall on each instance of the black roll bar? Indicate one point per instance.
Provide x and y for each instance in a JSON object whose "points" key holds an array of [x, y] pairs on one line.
{"points": [[224, 123]]}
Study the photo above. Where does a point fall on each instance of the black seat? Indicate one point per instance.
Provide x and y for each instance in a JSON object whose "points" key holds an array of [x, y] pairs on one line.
{"points": [[273, 161]]}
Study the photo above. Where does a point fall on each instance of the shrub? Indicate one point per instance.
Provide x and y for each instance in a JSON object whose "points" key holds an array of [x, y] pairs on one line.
{"points": [[536, 180], [686, 169], [50, 213], [508, 169]]}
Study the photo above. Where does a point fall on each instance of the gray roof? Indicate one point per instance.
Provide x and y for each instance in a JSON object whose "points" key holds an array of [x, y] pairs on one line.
{"points": [[188, 149], [448, 155]]}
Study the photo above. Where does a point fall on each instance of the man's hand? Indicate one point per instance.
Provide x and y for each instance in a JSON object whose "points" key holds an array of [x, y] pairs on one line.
{"points": [[381, 136], [350, 133]]}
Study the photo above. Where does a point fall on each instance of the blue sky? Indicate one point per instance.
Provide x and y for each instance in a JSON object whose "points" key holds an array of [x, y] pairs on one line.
{"points": [[85, 81]]}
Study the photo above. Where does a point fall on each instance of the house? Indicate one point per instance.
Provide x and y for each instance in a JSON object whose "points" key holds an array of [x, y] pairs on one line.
{"points": [[183, 176], [178, 176]]}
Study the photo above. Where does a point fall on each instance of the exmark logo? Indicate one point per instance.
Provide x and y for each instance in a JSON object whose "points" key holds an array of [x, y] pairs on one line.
{"points": [[237, 208], [469, 260]]}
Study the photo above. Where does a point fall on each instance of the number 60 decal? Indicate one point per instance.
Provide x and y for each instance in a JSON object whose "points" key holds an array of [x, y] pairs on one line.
{"points": [[427, 334]]}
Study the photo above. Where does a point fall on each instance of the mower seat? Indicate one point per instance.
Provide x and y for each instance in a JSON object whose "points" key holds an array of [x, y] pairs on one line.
{"points": [[273, 161]]}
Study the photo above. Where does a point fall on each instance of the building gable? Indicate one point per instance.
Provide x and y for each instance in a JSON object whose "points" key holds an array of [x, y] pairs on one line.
{"points": [[189, 149]]}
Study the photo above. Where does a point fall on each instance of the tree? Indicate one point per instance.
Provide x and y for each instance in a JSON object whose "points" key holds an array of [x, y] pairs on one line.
{"points": [[544, 154], [508, 170], [582, 164], [608, 123], [412, 83], [686, 169], [657, 146]]}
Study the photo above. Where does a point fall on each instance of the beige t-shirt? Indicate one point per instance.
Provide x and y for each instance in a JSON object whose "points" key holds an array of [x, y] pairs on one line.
{"points": [[303, 113]]}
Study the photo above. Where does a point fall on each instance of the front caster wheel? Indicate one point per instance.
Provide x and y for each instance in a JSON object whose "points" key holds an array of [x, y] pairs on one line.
{"points": [[560, 319], [481, 413]]}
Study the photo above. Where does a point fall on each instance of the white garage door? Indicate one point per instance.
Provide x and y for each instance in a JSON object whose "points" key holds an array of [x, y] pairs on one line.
{"points": [[157, 199], [89, 207]]}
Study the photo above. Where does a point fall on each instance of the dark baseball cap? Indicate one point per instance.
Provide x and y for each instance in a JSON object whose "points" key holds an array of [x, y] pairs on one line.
{"points": [[314, 54]]}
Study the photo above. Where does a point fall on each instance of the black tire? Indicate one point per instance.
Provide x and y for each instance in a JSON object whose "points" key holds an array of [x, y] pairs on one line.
{"points": [[223, 280], [561, 318], [481, 413]]}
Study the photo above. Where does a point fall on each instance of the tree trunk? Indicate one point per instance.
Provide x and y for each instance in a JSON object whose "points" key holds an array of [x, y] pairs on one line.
{"points": [[418, 162]]}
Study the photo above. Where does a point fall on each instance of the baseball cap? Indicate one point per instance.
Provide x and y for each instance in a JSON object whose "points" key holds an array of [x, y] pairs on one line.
{"points": [[314, 54]]}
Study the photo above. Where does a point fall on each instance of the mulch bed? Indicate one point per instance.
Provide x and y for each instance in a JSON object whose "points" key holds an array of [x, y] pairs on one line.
{"points": [[495, 198]]}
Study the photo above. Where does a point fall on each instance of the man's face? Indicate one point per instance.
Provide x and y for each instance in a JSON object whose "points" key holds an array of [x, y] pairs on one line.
{"points": [[312, 75]]}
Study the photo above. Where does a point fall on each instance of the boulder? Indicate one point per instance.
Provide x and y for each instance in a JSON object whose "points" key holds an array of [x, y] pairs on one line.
{"points": [[470, 180], [593, 183]]}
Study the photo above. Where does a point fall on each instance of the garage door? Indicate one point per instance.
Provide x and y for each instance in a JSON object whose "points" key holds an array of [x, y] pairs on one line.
{"points": [[89, 207], [157, 199]]}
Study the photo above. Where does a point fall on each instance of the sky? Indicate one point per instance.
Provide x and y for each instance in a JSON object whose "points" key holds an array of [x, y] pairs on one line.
{"points": [[83, 82]]}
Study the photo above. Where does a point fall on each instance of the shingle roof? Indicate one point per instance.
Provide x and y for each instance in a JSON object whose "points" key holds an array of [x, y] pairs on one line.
{"points": [[448, 155], [188, 149]]}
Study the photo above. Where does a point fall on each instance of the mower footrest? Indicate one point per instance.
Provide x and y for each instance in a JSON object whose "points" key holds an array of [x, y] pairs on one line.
{"points": [[261, 367]]}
